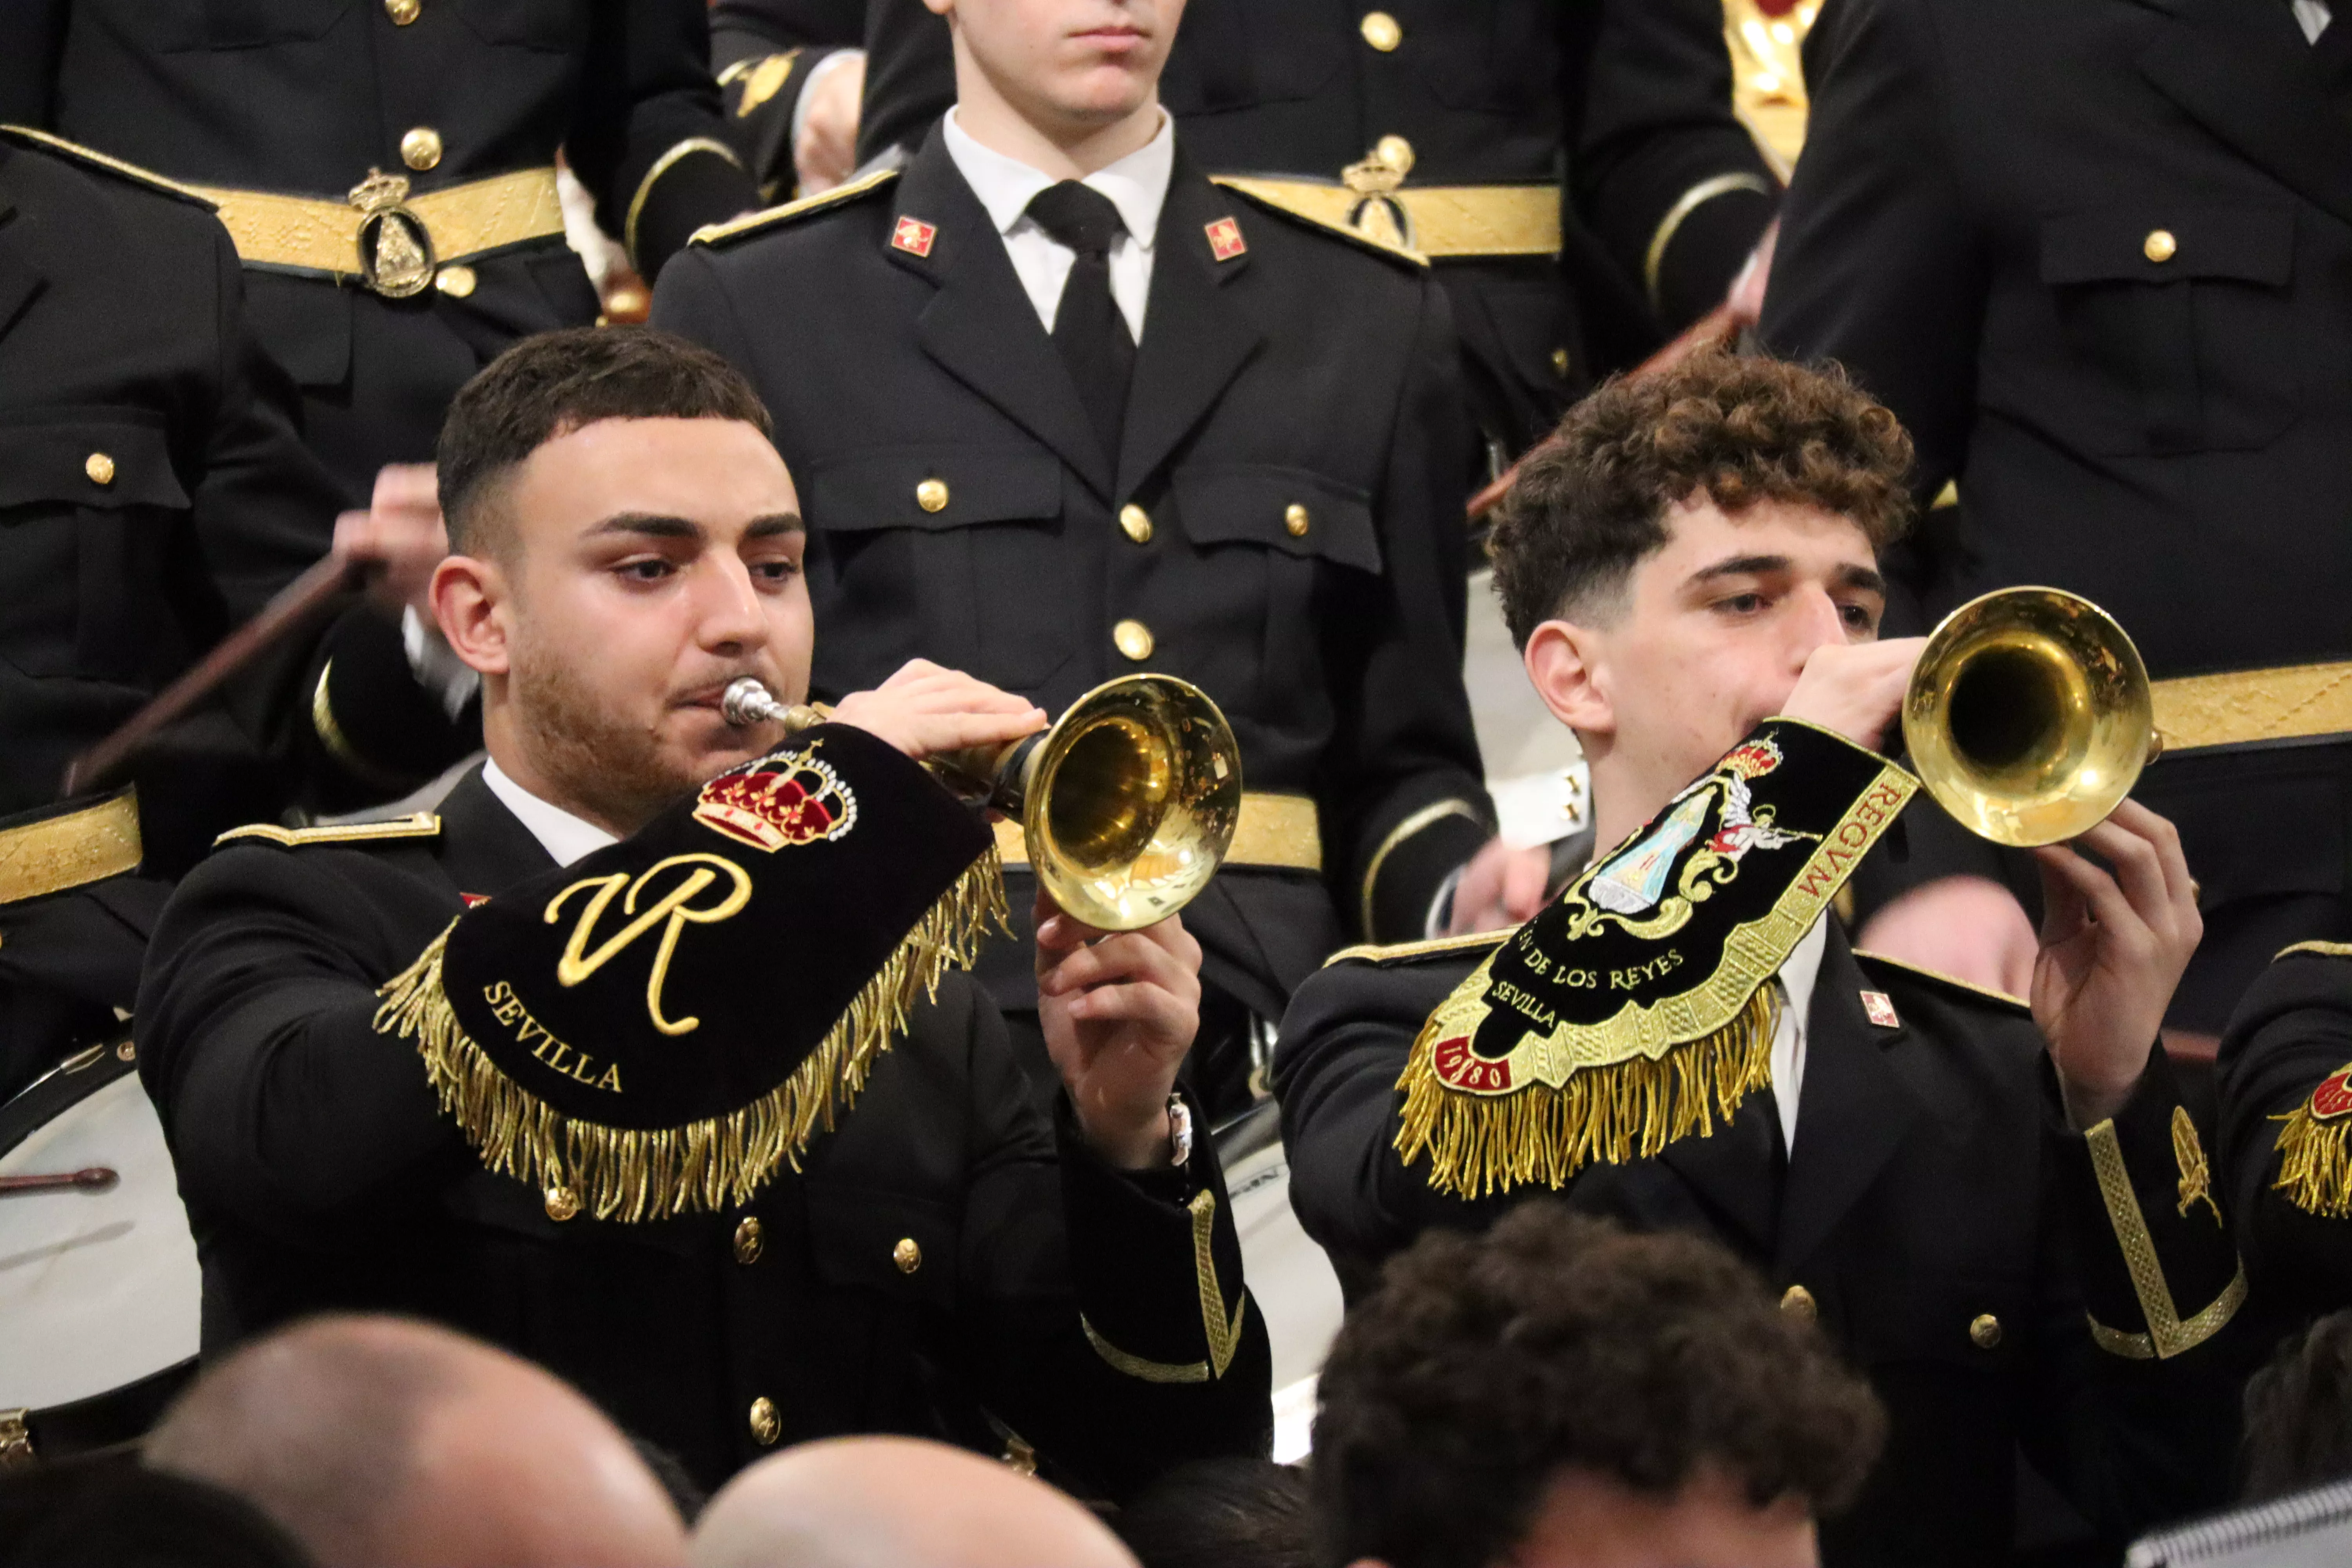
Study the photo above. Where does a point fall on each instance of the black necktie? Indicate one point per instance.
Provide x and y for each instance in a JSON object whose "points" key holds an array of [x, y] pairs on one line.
{"points": [[1088, 326]]}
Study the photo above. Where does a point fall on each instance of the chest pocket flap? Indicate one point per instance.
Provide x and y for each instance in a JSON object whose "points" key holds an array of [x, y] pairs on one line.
{"points": [[2158, 244], [934, 488], [106, 460], [1291, 509], [871, 1238]]}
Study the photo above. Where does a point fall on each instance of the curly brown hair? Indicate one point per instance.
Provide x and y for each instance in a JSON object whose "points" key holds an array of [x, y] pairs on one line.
{"points": [[1486, 1364], [1590, 502]]}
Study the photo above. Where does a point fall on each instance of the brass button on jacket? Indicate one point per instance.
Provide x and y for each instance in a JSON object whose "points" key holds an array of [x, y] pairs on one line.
{"points": [[403, 12], [748, 1241], [1984, 1331], [766, 1425], [932, 495], [1396, 153], [1134, 639], [1135, 523], [1382, 31], [562, 1203], [100, 468], [1798, 1302], [1295, 519], [2159, 246], [906, 1255], [421, 148]]}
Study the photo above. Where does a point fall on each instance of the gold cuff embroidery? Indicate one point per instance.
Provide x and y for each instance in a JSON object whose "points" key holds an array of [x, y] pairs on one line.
{"points": [[71, 849], [2188, 1155], [1689, 202], [662, 165], [762, 78], [1428, 816], [2168, 1335], [1224, 1332]]}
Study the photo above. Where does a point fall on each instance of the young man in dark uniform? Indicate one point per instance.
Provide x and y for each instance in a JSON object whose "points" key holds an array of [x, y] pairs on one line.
{"points": [[1065, 409], [648, 1057], [1683, 1039]]}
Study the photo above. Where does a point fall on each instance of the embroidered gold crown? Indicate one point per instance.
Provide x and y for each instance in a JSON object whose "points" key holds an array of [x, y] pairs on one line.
{"points": [[797, 801]]}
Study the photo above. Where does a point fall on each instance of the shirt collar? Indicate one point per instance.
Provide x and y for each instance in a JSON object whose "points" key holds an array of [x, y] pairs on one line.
{"points": [[1136, 184], [1802, 967], [565, 837]]}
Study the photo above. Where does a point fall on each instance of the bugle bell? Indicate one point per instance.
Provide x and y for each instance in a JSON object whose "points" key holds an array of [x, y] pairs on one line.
{"points": [[1128, 803], [2027, 716]]}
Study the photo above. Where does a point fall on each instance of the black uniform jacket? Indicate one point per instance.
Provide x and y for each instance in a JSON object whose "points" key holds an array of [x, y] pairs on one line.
{"points": [[1290, 464], [2163, 424], [936, 1249], [1937, 1216], [2291, 1034], [305, 97], [1627, 101]]}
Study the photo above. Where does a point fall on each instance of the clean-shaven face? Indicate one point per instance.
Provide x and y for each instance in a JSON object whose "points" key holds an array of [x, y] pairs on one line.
{"points": [[1070, 63]]}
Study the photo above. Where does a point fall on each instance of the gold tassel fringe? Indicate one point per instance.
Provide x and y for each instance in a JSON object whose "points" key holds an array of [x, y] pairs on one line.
{"points": [[632, 1176], [2315, 1168], [1479, 1144]]}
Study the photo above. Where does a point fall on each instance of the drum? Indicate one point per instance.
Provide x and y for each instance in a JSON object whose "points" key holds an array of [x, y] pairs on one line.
{"points": [[100, 1290], [1288, 1276]]}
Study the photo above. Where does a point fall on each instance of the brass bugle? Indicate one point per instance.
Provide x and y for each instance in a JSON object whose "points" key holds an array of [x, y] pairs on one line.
{"points": [[1127, 804], [2027, 716]]}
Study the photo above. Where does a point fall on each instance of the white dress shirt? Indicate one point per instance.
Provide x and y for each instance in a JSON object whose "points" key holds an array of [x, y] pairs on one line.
{"points": [[565, 837], [1136, 185], [1796, 982]]}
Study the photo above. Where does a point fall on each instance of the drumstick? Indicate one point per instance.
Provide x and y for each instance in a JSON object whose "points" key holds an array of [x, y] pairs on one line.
{"points": [[1710, 331], [93, 1178], [294, 606]]}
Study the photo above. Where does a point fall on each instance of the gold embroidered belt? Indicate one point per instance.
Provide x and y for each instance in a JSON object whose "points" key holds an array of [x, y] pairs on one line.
{"points": [[69, 849], [2293, 702], [1439, 220], [1277, 830], [385, 238]]}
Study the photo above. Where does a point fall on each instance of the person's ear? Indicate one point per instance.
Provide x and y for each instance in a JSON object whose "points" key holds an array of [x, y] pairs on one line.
{"points": [[470, 599], [1562, 661]]}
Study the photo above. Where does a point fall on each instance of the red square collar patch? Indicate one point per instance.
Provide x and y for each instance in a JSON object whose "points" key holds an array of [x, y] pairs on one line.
{"points": [[914, 236], [1226, 240], [1880, 1008]]}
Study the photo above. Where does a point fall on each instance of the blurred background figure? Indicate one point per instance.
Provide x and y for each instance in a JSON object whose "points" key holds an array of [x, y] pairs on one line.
{"points": [[2299, 1413], [1221, 1513], [379, 1443], [1557, 1394], [896, 1502]]}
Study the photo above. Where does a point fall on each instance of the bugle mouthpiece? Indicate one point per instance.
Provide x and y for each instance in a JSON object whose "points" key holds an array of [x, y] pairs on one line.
{"points": [[746, 702]]}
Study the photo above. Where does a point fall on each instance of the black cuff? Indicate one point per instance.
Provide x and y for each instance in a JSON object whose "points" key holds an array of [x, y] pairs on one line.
{"points": [[1705, 253], [1412, 862], [380, 732], [703, 185]]}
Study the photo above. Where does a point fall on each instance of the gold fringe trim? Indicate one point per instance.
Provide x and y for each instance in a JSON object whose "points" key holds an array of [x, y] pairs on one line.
{"points": [[1479, 1144], [632, 1176], [2315, 1169]]}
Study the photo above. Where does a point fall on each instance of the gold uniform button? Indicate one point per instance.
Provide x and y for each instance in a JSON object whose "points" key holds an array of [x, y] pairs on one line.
{"points": [[1136, 522], [1381, 31], [127, 1051], [1984, 1330], [2159, 246], [906, 1255], [766, 1425], [1134, 639], [932, 495], [562, 1203], [1559, 362], [421, 148], [1396, 153], [1295, 519], [403, 12], [749, 1242], [100, 468], [454, 280], [1798, 1302]]}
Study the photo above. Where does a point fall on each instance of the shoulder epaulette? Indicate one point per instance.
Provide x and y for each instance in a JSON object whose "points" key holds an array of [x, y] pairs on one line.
{"points": [[1412, 952], [1936, 979], [1266, 194], [2318, 948], [771, 218], [419, 825], [90, 158]]}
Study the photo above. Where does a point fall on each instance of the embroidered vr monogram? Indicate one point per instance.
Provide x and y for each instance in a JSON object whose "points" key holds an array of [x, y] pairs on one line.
{"points": [[914, 236], [672, 911], [1226, 240]]}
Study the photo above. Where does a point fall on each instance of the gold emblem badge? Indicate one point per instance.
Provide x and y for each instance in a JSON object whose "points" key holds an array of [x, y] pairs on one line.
{"points": [[787, 799], [396, 248]]}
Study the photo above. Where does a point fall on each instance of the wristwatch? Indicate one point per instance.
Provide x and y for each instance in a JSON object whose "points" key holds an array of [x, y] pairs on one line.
{"points": [[1179, 1130]]}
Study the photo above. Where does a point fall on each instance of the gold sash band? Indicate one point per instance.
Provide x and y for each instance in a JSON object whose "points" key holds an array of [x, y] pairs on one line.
{"points": [[1441, 220], [70, 849], [2293, 702], [323, 234], [1277, 830]]}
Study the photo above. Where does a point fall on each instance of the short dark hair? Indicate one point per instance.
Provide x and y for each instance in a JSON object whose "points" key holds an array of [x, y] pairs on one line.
{"points": [[1233, 1512], [1590, 503], [2299, 1409], [549, 385], [1485, 1367]]}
